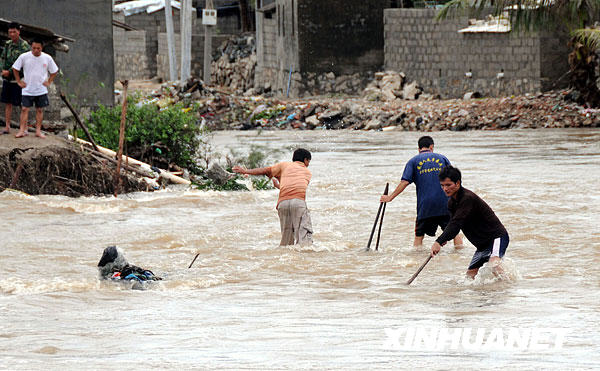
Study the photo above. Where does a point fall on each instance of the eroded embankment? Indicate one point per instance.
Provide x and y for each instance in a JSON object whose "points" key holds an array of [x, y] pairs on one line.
{"points": [[57, 166]]}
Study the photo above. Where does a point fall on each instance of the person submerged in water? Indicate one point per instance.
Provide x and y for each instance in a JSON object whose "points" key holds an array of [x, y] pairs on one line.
{"points": [[476, 219], [292, 180], [114, 266]]}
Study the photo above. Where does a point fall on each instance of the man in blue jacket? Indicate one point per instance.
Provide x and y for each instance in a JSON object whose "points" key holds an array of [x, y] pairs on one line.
{"points": [[432, 203]]}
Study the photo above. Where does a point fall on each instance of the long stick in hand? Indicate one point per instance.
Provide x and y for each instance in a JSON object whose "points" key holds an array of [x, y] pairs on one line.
{"points": [[419, 270], [387, 186], [376, 220]]}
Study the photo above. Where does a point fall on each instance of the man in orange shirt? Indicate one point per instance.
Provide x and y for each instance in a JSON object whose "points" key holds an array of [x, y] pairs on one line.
{"points": [[293, 178]]}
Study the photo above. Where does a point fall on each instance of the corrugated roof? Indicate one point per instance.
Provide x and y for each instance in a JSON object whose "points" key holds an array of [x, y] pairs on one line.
{"points": [[29, 32], [139, 6]]}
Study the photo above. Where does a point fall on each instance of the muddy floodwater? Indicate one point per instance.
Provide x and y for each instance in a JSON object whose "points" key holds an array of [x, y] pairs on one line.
{"points": [[249, 304]]}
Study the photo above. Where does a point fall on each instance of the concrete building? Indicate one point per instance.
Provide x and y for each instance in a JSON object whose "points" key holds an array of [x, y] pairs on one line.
{"points": [[316, 47], [136, 51], [141, 53], [308, 47]]}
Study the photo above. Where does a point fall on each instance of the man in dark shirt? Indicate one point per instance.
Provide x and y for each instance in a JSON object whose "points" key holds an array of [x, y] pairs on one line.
{"points": [[11, 91], [476, 219], [432, 203]]}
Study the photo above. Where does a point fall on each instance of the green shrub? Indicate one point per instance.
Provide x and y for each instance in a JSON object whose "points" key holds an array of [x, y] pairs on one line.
{"points": [[231, 185], [259, 183], [157, 136]]}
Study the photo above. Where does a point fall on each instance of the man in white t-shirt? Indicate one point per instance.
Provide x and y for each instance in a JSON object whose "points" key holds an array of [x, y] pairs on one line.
{"points": [[39, 70]]}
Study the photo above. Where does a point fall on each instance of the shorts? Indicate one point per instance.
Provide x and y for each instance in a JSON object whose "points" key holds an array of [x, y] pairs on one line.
{"points": [[496, 248], [40, 101], [296, 226], [11, 93], [429, 225]]}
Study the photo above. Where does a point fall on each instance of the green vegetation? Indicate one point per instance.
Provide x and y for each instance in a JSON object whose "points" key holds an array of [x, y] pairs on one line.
{"points": [[173, 136], [157, 136], [257, 157]]}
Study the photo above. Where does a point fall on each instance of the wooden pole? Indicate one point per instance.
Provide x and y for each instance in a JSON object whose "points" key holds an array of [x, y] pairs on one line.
{"points": [[186, 38], [419, 270], [171, 41], [78, 120], [117, 181], [387, 187]]}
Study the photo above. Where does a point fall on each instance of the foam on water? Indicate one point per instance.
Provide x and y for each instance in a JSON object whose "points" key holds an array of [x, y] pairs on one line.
{"points": [[318, 246], [486, 275], [13, 194], [190, 280], [44, 285]]}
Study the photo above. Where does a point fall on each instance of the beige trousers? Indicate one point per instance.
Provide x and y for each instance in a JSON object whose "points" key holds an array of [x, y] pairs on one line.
{"points": [[296, 227]]}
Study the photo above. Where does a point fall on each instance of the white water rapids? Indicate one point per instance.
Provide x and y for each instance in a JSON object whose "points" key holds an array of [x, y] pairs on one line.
{"points": [[250, 304]]}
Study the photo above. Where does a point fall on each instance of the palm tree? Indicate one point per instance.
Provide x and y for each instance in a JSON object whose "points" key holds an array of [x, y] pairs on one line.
{"points": [[575, 17]]}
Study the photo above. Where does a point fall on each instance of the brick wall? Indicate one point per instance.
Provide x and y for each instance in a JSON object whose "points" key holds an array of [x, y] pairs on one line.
{"points": [[154, 24], [131, 60], [438, 57], [266, 52]]}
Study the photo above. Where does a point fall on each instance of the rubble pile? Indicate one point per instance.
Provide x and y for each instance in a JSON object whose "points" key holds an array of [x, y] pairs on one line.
{"points": [[549, 110], [218, 109], [391, 86], [234, 63], [310, 84], [173, 92]]}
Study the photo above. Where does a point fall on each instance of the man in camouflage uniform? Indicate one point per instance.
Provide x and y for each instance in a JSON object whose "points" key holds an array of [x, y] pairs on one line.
{"points": [[11, 91]]}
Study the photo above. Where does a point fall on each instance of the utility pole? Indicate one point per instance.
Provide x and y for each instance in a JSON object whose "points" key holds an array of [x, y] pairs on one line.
{"points": [[171, 41], [186, 39], [209, 20]]}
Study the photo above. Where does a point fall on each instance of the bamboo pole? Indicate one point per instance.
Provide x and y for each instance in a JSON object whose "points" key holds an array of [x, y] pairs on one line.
{"points": [[162, 173], [101, 156]]}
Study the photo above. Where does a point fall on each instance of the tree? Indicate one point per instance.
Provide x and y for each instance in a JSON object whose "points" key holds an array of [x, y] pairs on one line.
{"points": [[575, 17]]}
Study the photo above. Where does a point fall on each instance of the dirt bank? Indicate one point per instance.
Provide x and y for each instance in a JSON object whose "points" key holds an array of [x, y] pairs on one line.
{"points": [[56, 166]]}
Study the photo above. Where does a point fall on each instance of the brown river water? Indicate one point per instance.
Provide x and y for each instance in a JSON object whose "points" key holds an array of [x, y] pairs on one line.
{"points": [[249, 304]]}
